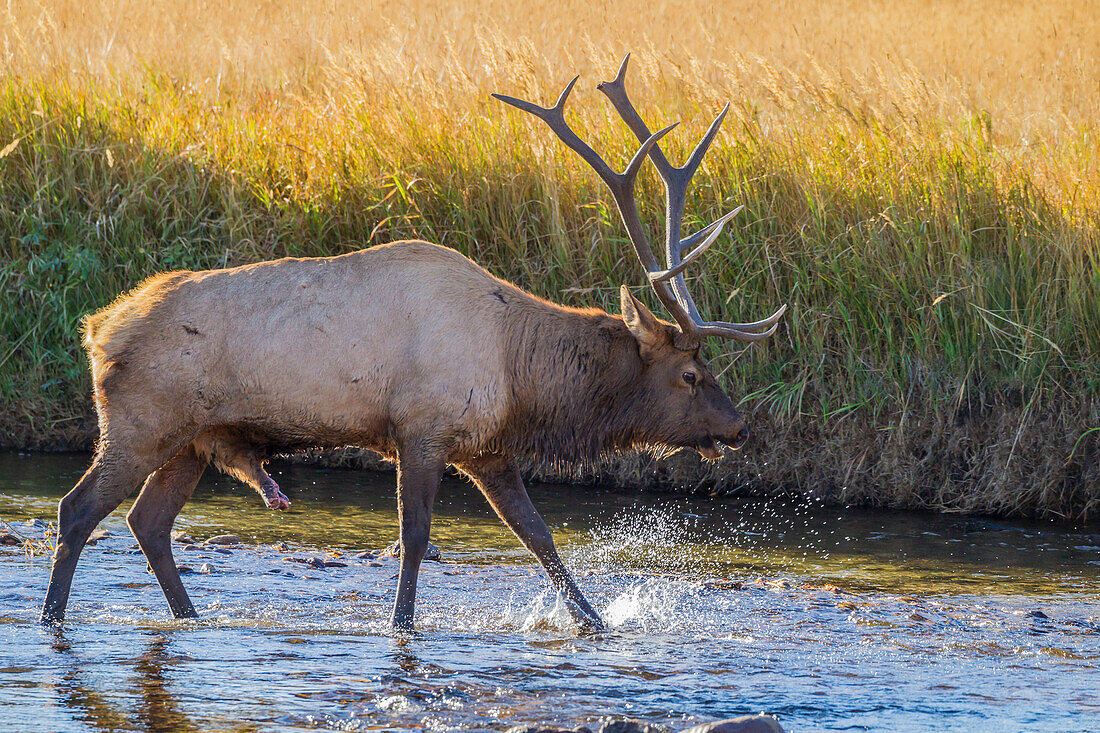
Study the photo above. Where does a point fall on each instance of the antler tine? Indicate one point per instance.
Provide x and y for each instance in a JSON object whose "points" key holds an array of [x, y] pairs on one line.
{"points": [[696, 157], [676, 180], [687, 314], [753, 326], [709, 234], [620, 184], [730, 330], [676, 186], [554, 117], [615, 90]]}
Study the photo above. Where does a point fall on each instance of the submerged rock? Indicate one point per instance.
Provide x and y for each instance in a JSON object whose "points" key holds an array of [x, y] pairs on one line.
{"points": [[223, 539], [319, 562], [628, 725], [96, 536], [7, 538], [184, 569], [394, 550], [744, 724], [182, 537], [280, 546]]}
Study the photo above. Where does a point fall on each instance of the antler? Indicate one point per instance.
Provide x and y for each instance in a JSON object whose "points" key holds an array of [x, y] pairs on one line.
{"points": [[668, 283]]}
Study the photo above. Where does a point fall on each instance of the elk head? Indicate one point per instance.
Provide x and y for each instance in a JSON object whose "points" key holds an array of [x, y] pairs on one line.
{"points": [[690, 409]]}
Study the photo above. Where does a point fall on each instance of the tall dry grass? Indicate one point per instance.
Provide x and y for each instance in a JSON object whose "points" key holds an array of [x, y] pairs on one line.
{"points": [[920, 180], [1031, 64]]}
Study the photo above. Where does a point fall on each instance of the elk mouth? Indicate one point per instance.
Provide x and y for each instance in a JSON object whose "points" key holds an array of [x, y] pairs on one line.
{"points": [[710, 448], [713, 449]]}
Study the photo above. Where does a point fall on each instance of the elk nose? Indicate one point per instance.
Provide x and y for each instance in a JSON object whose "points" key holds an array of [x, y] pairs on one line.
{"points": [[739, 435]]}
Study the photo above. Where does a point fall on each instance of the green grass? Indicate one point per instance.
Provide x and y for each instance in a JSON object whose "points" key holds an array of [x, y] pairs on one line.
{"points": [[943, 343]]}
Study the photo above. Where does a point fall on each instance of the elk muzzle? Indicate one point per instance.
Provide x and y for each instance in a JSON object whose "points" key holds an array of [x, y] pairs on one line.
{"points": [[713, 447]]}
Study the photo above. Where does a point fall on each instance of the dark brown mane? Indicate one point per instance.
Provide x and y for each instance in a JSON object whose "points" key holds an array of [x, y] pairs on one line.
{"points": [[575, 384]]}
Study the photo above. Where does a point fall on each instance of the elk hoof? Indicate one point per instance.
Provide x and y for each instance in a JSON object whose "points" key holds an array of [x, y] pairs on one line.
{"points": [[591, 625], [277, 502], [274, 498]]}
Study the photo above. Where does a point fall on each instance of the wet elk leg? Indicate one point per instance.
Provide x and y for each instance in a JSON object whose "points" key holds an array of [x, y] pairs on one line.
{"points": [[251, 471], [113, 475], [151, 518], [241, 461], [267, 488], [503, 487], [418, 474]]}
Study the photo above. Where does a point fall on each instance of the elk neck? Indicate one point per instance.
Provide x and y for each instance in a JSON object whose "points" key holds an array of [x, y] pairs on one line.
{"points": [[576, 384]]}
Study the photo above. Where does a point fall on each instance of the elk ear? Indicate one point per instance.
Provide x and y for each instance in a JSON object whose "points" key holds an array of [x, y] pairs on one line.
{"points": [[645, 327]]}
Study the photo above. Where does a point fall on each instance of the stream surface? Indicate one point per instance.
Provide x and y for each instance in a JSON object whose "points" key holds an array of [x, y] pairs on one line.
{"points": [[828, 618]]}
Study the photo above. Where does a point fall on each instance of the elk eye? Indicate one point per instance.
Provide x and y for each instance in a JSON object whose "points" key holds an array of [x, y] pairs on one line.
{"points": [[689, 377]]}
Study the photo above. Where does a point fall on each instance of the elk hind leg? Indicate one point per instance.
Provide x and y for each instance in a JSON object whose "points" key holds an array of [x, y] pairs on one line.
{"points": [[251, 471], [243, 465], [113, 475], [151, 518], [232, 455]]}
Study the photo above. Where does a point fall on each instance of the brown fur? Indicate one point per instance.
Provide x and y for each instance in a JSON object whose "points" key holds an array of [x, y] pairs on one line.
{"points": [[409, 349]]}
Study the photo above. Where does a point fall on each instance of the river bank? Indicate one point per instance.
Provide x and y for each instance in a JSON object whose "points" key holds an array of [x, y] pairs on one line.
{"points": [[1003, 459]]}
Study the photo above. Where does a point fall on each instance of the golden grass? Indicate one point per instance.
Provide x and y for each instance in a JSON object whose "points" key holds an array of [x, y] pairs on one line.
{"points": [[921, 183], [1031, 64]]}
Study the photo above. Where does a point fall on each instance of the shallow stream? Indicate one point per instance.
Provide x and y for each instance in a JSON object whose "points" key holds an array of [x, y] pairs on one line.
{"points": [[830, 619]]}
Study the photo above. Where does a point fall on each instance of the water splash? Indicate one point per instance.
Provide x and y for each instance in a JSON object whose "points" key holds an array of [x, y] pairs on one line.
{"points": [[546, 612], [652, 604], [650, 539]]}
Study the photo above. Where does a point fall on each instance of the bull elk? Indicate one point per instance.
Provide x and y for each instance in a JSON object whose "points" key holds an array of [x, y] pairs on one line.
{"points": [[409, 349]]}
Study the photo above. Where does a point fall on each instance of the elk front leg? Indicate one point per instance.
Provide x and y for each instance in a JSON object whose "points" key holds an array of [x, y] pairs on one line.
{"points": [[418, 474], [273, 497], [241, 461], [151, 517], [502, 485]]}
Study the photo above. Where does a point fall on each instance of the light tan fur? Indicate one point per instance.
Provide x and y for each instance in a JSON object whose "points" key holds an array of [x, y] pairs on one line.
{"points": [[350, 349]]}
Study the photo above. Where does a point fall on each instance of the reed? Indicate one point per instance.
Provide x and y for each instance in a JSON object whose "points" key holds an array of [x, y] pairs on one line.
{"points": [[932, 219]]}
